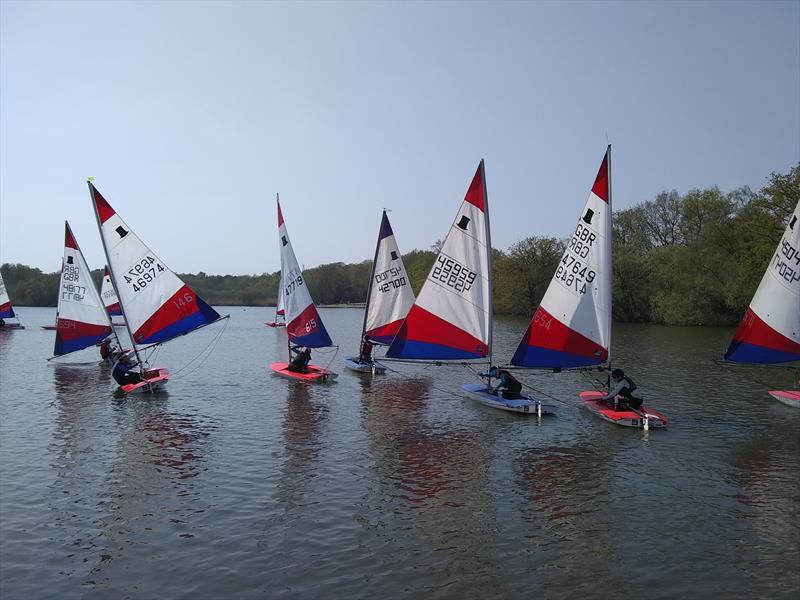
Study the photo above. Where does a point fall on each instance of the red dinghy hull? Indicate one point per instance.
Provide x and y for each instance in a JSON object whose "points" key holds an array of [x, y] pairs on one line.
{"points": [[624, 418], [315, 374], [787, 397], [155, 379]]}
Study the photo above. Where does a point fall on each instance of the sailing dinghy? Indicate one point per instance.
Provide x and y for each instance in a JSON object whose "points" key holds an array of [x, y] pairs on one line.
{"points": [[156, 304], [389, 298], [81, 318], [451, 319], [571, 327], [769, 332], [7, 310], [280, 312], [303, 323]]}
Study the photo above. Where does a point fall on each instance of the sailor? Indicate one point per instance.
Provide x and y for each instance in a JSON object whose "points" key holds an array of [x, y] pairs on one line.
{"points": [[108, 349], [123, 372], [299, 363], [507, 383], [366, 351], [620, 394]]}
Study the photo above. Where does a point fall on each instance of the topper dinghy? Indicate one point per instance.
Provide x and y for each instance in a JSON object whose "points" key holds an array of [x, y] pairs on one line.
{"points": [[389, 298], [304, 326], [451, 319], [156, 304], [769, 332], [571, 327]]}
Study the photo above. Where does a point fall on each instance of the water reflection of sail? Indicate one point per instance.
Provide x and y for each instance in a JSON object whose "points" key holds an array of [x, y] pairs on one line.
{"points": [[436, 477], [80, 442], [302, 421]]}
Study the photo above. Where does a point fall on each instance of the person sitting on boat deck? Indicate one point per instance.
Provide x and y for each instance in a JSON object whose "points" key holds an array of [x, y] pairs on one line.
{"points": [[299, 363], [366, 351], [123, 372], [509, 385], [108, 349], [621, 395]]}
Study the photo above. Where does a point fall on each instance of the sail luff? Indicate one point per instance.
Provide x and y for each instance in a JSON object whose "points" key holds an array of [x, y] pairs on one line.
{"points": [[609, 269], [490, 260]]}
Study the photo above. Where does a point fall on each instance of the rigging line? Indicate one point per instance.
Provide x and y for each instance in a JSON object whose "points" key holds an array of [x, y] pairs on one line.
{"points": [[543, 393], [332, 357], [207, 351], [433, 387]]}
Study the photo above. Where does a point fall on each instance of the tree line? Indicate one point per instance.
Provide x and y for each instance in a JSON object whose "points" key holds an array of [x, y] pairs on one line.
{"points": [[693, 259]]}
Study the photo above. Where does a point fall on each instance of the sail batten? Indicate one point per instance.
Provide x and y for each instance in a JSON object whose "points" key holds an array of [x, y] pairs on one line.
{"points": [[157, 305], [451, 317], [769, 331], [572, 325], [81, 319]]}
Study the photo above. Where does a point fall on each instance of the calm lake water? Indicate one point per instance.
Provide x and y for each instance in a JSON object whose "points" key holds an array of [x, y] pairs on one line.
{"points": [[235, 483]]}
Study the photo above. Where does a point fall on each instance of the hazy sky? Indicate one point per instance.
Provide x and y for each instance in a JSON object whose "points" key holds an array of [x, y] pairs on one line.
{"points": [[192, 115]]}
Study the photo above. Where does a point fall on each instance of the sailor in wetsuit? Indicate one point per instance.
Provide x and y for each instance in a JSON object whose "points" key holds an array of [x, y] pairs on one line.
{"points": [[123, 372], [508, 384], [620, 395], [300, 362]]}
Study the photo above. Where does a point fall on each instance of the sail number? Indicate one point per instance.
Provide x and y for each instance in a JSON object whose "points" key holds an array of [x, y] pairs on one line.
{"points": [[310, 325], [143, 273], [389, 279], [783, 264], [582, 241], [574, 274], [542, 319], [70, 291], [452, 274], [294, 284]]}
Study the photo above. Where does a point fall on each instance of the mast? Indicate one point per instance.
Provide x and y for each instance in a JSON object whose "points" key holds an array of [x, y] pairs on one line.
{"points": [[489, 260], [610, 259], [113, 279]]}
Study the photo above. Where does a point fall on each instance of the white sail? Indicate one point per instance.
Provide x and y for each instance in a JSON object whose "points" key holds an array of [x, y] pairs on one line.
{"points": [[770, 329], [157, 305], [452, 316], [81, 319], [390, 296], [303, 323], [572, 325]]}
